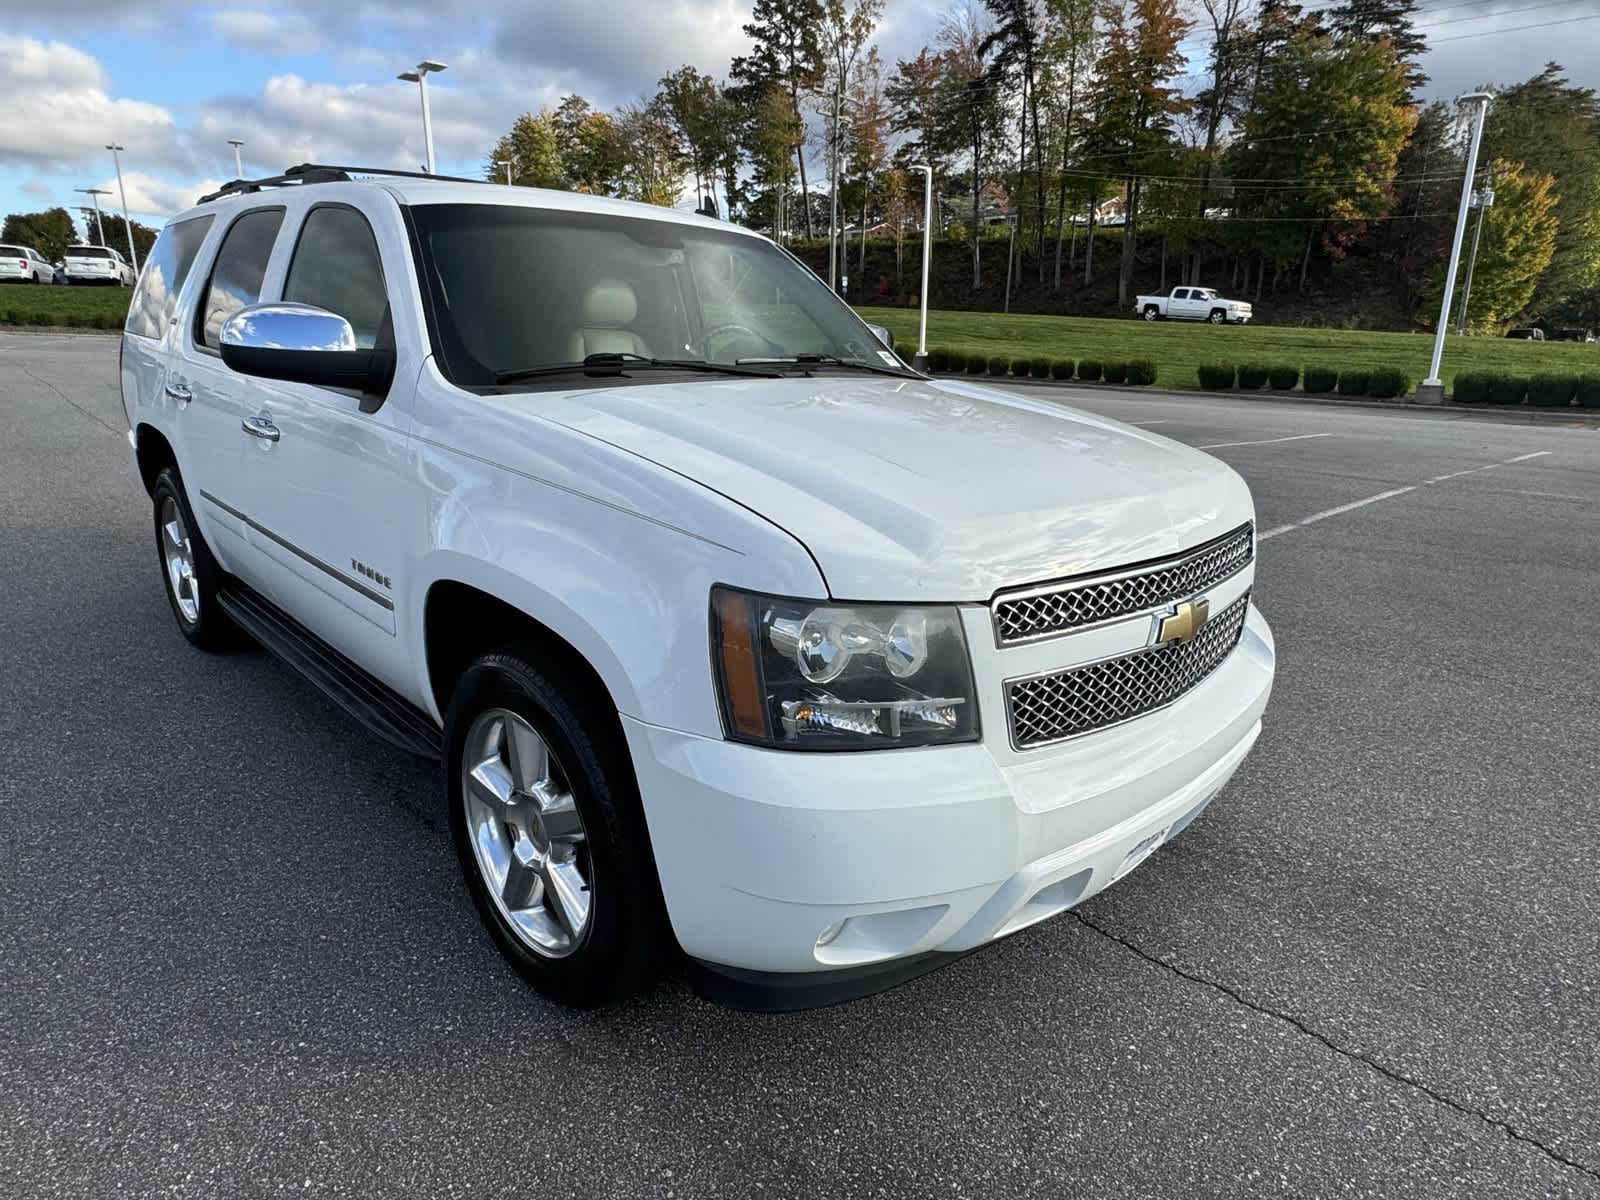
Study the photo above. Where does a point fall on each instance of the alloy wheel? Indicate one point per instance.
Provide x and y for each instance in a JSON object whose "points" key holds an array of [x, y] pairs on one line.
{"points": [[178, 555], [527, 836]]}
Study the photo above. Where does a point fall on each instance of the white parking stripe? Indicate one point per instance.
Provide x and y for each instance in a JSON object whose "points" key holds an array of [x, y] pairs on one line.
{"points": [[1391, 493], [1299, 437]]}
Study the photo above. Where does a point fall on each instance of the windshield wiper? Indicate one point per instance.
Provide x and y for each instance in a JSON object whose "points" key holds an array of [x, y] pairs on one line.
{"points": [[810, 359], [603, 365]]}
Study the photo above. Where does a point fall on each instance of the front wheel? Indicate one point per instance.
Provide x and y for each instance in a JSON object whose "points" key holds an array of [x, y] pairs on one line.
{"points": [[546, 819], [1218, 317], [191, 575]]}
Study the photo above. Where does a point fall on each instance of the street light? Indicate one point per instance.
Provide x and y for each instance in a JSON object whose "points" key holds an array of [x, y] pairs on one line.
{"points": [[919, 361], [95, 194], [420, 77], [507, 164], [1431, 389], [238, 159], [133, 255]]}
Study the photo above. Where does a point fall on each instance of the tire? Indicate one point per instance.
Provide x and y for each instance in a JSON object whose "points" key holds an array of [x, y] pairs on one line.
{"points": [[616, 949], [193, 601], [1152, 313], [1218, 317]]}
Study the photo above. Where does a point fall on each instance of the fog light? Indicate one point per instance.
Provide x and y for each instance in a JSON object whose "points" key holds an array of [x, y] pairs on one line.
{"points": [[831, 932]]}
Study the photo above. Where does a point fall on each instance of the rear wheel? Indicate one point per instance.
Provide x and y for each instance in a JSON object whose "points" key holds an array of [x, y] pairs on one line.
{"points": [[1152, 313], [546, 819]]}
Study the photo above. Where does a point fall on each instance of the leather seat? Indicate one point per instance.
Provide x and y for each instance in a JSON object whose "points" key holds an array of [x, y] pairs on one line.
{"points": [[609, 308]]}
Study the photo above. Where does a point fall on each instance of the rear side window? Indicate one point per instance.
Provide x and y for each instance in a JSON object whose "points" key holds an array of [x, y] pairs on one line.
{"points": [[241, 264], [11, 252], [336, 266], [170, 260]]}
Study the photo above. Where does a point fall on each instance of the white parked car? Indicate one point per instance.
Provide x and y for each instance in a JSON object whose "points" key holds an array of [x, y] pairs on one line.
{"points": [[733, 634], [1194, 304], [96, 264], [23, 264]]}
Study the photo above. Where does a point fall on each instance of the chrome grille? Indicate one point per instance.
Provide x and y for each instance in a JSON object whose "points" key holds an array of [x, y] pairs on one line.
{"points": [[1057, 608], [1050, 708]]}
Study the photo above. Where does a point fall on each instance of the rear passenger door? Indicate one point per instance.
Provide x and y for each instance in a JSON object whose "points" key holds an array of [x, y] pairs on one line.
{"points": [[214, 403], [149, 330]]}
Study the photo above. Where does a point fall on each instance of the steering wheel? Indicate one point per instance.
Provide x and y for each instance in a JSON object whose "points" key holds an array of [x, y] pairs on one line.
{"points": [[734, 327]]}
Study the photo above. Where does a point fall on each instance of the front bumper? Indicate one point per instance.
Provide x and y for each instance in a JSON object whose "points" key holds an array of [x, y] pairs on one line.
{"points": [[788, 863]]}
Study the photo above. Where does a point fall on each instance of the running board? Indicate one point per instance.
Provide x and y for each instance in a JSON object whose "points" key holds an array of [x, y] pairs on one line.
{"points": [[376, 705]]}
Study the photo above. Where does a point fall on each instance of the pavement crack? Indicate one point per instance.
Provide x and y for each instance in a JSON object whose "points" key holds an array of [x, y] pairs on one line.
{"points": [[23, 367], [1505, 1127]]}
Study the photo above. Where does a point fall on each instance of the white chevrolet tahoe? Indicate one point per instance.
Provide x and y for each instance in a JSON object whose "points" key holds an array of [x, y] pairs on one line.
{"points": [[732, 634]]}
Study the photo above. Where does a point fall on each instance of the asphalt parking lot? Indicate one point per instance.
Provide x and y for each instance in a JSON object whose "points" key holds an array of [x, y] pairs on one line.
{"points": [[237, 959]]}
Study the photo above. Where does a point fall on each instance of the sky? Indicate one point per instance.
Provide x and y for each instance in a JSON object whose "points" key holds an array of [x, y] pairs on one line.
{"points": [[314, 80]]}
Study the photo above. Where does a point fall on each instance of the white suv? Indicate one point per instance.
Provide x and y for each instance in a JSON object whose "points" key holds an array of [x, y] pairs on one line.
{"points": [[733, 634], [24, 264], [97, 264]]}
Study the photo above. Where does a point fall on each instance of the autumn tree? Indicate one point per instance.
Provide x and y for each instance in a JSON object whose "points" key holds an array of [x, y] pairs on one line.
{"points": [[49, 232], [773, 135], [786, 51], [914, 97], [868, 139], [1518, 243], [692, 100], [971, 111], [1069, 62], [1136, 101], [533, 150], [590, 147], [654, 160]]}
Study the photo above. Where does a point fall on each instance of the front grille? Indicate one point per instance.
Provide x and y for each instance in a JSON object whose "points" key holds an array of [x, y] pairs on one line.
{"points": [[1057, 608], [1050, 708]]}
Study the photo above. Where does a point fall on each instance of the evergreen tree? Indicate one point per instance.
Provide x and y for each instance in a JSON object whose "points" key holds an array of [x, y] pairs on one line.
{"points": [[1392, 19], [787, 51]]}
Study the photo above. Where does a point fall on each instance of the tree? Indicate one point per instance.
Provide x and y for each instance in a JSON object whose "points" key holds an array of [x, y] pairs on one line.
{"points": [[1136, 100], [1069, 53], [590, 147], [653, 154], [691, 99], [533, 148], [1553, 128], [786, 51], [1519, 240], [1017, 43], [774, 133], [971, 109], [1228, 74], [1392, 19], [868, 139], [915, 94], [49, 232], [846, 27]]}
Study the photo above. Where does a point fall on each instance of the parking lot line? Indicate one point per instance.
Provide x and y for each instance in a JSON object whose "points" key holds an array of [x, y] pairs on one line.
{"points": [[1298, 437], [1392, 492]]}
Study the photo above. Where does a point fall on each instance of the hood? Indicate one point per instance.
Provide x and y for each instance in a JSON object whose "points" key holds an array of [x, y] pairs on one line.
{"points": [[915, 490]]}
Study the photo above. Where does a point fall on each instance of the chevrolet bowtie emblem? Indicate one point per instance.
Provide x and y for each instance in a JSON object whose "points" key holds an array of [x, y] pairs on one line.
{"points": [[1183, 622]]}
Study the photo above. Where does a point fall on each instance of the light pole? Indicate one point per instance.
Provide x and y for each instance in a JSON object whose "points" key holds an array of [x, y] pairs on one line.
{"points": [[833, 187], [1483, 199], [507, 164], [1431, 389], [238, 159], [919, 361], [133, 255], [95, 194], [420, 77]]}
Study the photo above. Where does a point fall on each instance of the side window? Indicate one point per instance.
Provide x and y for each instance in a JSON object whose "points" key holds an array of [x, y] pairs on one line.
{"points": [[336, 267], [170, 260], [236, 278], [1181, 294]]}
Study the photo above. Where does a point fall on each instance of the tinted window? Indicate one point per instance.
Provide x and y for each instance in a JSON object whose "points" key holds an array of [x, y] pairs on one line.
{"points": [[1181, 294], [241, 263], [336, 267], [11, 251], [164, 273], [88, 252]]}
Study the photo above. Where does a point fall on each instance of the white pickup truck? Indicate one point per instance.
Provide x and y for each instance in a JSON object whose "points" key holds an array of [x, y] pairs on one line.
{"points": [[1193, 304], [735, 636]]}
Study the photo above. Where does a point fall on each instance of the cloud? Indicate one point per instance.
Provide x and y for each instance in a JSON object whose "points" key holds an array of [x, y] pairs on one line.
{"points": [[150, 197], [58, 111], [267, 33]]}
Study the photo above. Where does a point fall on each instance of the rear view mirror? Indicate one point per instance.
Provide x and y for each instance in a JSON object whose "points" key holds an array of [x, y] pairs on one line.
{"points": [[300, 343], [883, 335]]}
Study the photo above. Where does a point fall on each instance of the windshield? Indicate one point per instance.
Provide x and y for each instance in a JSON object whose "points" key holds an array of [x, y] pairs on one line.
{"points": [[88, 252], [513, 289]]}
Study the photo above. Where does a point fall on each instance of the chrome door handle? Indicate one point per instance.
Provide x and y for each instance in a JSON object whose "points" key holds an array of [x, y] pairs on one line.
{"points": [[180, 392], [260, 427]]}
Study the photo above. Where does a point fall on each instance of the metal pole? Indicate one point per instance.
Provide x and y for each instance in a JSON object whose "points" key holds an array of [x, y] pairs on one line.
{"points": [[833, 186], [238, 159], [427, 120], [1010, 255], [1484, 197], [127, 225], [1431, 389], [94, 196], [920, 362]]}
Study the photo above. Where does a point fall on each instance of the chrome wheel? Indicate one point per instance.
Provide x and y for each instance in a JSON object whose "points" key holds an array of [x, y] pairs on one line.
{"points": [[179, 557], [526, 834]]}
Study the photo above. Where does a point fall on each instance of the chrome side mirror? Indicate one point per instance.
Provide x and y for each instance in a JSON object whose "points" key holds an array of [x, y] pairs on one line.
{"points": [[300, 343], [883, 335]]}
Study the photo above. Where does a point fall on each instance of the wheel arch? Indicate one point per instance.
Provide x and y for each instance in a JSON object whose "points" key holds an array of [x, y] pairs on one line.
{"points": [[153, 453]]}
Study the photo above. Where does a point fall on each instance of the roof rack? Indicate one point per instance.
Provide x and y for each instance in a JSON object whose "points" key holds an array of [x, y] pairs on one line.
{"points": [[306, 173]]}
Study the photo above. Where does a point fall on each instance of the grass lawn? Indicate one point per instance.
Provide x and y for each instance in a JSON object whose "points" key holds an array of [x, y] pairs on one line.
{"points": [[1177, 347], [46, 304]]}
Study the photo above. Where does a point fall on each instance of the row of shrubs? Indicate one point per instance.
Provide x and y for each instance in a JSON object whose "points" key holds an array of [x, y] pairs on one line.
{"points": [[71, 320], [944, 361], [1541, 391], [1385, 383]]}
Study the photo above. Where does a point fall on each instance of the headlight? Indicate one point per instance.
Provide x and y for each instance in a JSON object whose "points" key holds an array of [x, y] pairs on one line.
{"points": [[801, 675]]}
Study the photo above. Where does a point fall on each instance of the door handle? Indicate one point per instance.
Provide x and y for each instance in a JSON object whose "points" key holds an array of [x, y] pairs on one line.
{"points": [[260, 427], [180, 392]]}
